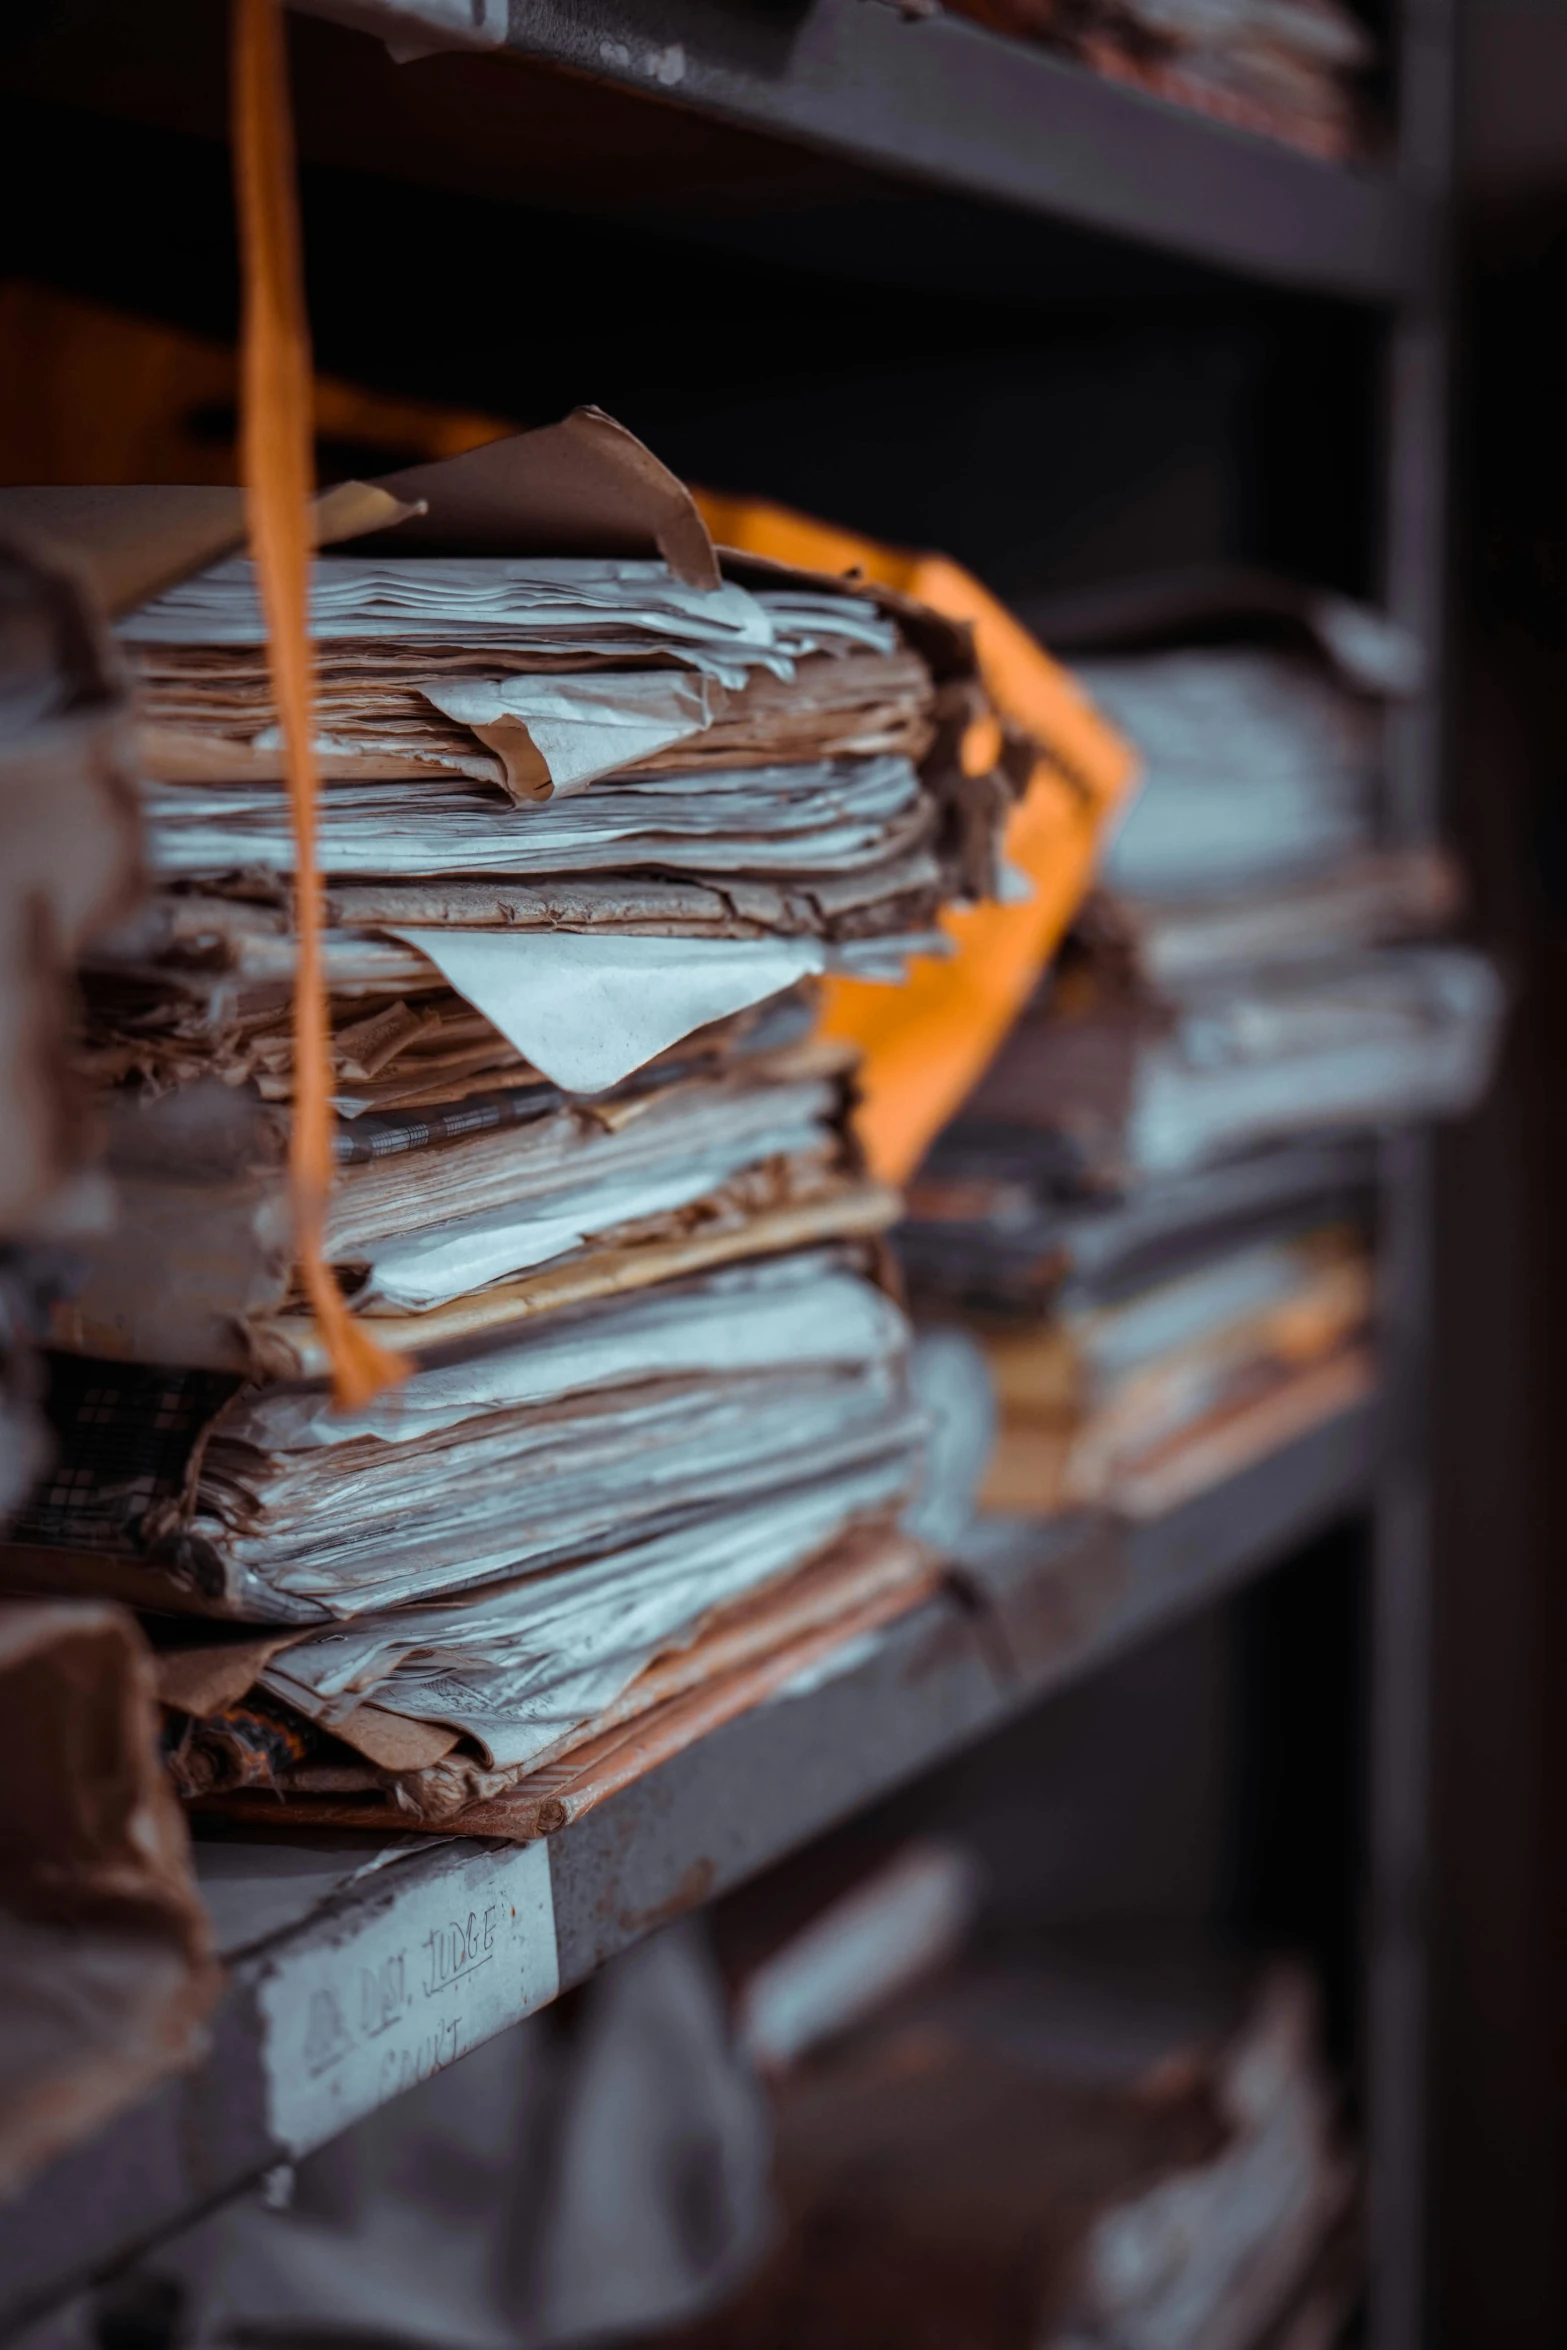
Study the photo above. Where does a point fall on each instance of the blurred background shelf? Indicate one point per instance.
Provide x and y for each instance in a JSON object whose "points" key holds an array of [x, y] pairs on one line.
{"points": [[1033, 1608], [786, 125]]}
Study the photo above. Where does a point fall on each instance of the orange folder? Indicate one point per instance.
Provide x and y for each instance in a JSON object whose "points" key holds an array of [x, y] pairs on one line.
{"points": [[927, 1043]]}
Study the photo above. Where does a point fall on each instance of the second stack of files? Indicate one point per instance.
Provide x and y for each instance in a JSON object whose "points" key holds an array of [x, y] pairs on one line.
{"points": [[1156, 1208]]}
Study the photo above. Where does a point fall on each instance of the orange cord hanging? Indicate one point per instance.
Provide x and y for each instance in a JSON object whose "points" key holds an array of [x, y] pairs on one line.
{"points": [[279, 476]]}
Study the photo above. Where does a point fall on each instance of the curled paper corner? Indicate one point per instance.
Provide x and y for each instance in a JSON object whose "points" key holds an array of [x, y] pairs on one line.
{"points": [[588, 1010]]}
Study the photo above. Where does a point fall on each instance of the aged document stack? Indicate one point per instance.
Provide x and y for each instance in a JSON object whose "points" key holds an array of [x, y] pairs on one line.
{"points": [[1156, 1203], [104, 1950], [598, 812], [1111, 2136]]}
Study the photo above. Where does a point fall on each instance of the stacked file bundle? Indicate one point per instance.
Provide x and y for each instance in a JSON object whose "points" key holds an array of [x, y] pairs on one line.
{"points": [[105, 1973], [1069, 2141], [595, 816], [1156, 1201]]}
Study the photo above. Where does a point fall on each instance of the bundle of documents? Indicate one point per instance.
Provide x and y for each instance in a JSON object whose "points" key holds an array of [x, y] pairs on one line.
{"points": [[1141, 1352], [1153, 1206], [596, 813], [1140, 1398], [1070, 2149], [1258, 964], [1123, 1079], [507, 1546], [1287, 69], [105, 1972]]}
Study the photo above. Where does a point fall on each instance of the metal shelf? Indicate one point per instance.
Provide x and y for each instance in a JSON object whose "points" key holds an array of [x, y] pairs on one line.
{"points": [[329, 2010], [787, 127], [938, 100]]}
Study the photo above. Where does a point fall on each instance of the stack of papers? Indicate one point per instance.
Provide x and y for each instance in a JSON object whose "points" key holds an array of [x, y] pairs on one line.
{"points": [[1139, 1351], [513, 1536], [594, 818], [1256, 764], [1140, 1401], [1131, 1082], [1257, 966], [106, 1974], [1186, 1106], [1087, 2146], [776, 761]]}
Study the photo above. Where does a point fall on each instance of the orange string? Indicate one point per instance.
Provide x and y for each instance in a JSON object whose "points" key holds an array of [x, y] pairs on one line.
{"points": [[276, 442]]}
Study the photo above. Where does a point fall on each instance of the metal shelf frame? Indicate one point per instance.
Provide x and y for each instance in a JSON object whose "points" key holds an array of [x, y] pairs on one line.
{"points": [[772, 111], [1030, 1609], [937, 100]]}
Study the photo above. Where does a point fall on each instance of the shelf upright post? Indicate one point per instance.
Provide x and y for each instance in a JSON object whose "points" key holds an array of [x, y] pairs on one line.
{"points": [[1415, 540]]}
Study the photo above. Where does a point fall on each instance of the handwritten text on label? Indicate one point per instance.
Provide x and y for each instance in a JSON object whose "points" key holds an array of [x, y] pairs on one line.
{"points": [[429, 1961]]}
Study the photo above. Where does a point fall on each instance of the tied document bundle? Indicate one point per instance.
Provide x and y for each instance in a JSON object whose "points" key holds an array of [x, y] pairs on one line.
{"points": [[600, 808]]}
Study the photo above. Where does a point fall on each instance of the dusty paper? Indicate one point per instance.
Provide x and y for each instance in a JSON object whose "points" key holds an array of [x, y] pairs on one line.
{"points": [[520, 1668], [589, 1010], [561, 734]]}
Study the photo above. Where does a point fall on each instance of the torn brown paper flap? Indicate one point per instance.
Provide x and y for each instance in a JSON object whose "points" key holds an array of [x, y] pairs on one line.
{"points": [[394, 1742], [585, 486], [204, 1678], [133, 540], [106, 1972]]}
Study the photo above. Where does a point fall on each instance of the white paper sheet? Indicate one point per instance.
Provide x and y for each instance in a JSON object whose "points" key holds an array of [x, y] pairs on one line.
{"points": [[585, 727], [427, 1266], [589, 1010], [608, 1480], [776, 1313], [519, 1667], [812, 817], [543, 599]]}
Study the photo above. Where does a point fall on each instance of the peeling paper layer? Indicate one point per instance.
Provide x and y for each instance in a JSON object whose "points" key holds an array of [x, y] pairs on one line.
{"points": [[579, 728], [589, 1010]]}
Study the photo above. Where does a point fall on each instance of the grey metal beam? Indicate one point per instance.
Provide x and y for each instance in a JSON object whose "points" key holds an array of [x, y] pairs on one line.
{"points": [[936, 100]]}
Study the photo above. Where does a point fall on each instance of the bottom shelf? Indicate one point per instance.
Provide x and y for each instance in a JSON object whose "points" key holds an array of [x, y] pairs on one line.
{"points": [[360, 1964]]}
